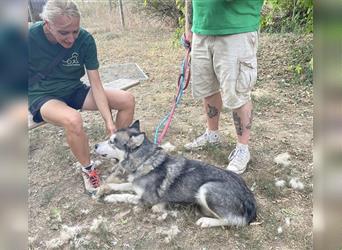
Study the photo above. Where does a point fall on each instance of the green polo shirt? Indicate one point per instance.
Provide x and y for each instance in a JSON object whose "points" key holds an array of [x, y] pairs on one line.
{"points": [[225, 17], [65, 77]]}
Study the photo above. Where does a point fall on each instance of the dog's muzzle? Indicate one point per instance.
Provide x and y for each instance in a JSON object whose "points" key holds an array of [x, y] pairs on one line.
{"points": [[104, 150], [96, 147]]}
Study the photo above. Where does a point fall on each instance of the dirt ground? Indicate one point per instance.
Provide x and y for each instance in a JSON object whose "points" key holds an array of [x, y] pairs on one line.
{"points": [[62, 216]]}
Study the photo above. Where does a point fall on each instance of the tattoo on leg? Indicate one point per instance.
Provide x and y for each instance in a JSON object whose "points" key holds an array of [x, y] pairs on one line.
{"points": [[249, 125], [212, 111], [237, 123]]}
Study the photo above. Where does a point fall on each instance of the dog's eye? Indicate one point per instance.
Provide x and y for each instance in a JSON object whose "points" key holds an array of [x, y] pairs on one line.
{"points": [[113, 141]]}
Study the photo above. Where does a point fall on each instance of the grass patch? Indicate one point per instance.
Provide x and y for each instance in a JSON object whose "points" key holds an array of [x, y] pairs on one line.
{"points": [[47, 196], [245, 235], [264, 102], [217, 153], [302, 63], [267, 188]]}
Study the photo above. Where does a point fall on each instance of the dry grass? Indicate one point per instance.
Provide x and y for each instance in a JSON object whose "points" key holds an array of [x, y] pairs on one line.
{"points": [[282, 123]]}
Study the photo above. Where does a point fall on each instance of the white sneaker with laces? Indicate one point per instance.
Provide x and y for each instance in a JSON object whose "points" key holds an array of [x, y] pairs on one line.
{"points": [[209, 137], [238, 159], [91, 179]]}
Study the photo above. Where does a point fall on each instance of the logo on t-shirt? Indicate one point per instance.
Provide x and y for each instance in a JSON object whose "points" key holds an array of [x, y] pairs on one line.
{"points": [[72, 61]]}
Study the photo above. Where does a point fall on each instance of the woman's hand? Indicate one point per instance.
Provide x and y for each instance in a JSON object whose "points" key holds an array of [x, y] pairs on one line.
{"points": [[111, 128]]}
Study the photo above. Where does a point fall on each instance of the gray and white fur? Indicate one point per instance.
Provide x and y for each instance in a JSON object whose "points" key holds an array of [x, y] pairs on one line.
{"points": [[157, 179]]}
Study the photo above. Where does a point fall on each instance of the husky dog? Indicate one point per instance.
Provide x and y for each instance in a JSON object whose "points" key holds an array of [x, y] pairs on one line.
{"points": [[157, 179]]}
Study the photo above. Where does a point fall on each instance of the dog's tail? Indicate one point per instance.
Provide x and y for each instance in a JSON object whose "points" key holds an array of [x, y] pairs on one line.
{"points": [[250, 210]]}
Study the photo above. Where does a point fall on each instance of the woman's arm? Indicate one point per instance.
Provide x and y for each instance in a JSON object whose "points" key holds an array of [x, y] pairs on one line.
{"points": [[188, 20], [101, 100]]}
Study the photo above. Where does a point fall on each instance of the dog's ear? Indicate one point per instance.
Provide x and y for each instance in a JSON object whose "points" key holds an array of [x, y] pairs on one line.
{"points": [[136, 141], [136, 125]]}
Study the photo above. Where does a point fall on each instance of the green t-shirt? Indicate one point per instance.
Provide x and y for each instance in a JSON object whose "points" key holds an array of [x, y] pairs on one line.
{"points": [[225, 17], [65, 77]]}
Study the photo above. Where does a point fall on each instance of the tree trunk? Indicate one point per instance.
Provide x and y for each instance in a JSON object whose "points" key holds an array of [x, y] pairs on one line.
{"points": [[110, 6], [30, 12], [121, 14]]}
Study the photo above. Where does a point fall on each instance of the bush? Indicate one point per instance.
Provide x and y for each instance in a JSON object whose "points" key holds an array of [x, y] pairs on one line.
{"points": [[302, 63], [165, 10], [277, 15], [287, 16]]}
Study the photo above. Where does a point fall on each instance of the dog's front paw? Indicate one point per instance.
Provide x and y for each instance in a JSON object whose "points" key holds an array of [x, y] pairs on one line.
{"points": [[124, 198], [112, 199], [102, 190], [205, 222], [159, 208]]}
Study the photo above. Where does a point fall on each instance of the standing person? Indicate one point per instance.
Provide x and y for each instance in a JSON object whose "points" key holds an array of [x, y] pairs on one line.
{"points": [[224, 68], [56, 97]]}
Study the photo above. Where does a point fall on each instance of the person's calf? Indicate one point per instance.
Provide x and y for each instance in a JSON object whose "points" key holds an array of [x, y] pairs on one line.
{"points": [[77, 139], [243, 117], [125, 115]]}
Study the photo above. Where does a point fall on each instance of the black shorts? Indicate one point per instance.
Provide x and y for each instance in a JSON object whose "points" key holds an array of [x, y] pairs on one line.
{"points": [[75, 100]]}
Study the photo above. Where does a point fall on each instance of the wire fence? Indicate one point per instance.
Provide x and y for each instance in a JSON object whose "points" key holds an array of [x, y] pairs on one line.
{"points": [[110, 10], [35, 7], [109, 15]]}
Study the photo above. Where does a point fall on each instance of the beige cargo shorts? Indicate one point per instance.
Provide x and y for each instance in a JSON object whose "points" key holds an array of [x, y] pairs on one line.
{"points": [[224, 63]]}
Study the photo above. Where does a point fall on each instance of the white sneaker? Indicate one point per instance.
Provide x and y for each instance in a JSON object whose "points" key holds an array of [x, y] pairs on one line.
{"points": [[238, 159], [209, 137], [91, 179]]}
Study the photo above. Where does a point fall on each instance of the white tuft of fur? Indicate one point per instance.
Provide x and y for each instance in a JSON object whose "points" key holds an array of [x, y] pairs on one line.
{"points": [[168, 147], [159, 208], [252, 188], [295, 183], [85, 211], [121, 215], [170, 233], [283, 159], [280, 183], [54, 243], [97, 223], [66, 234], [279, 230], [70, 232], [162, 217], [287, 221]]}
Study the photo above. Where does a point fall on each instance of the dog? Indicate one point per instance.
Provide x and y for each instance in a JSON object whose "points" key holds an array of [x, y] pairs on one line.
{"points": [[158, 179]]}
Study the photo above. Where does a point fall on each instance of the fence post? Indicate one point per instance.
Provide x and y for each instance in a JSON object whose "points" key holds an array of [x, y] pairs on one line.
{"points": [[121, 14], [110, 6], [30, 12], [188, 16]]}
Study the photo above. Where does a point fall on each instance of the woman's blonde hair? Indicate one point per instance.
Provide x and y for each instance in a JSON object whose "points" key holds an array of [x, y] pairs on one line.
{"points": [[55, 8]]}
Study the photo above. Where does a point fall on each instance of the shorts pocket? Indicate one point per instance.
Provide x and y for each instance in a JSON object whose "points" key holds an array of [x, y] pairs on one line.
{"points": [[247, 75]]}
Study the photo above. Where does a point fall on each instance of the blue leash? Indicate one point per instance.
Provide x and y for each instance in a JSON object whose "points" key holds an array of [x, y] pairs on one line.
{"points": [[181, 87]]}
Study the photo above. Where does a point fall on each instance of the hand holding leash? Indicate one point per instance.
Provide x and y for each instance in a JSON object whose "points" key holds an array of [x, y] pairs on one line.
{"points": [[186, 40], [182, 84]]}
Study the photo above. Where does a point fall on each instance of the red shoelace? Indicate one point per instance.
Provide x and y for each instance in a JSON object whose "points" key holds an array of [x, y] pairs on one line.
{"points": [[94, 178]]}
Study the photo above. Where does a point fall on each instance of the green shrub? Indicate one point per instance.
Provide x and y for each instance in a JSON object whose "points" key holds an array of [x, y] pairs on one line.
{"points": [[165, 10], [277, 15], [302, 64], [287, 16]]}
